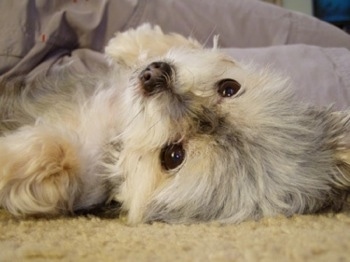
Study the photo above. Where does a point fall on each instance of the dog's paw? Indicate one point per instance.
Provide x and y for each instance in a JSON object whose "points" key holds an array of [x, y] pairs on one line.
{"points": [[38, 172], [136, 45]]}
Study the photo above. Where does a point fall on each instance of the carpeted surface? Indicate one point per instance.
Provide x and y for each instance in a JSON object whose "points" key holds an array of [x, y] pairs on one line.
{"points": [[323, 237]]}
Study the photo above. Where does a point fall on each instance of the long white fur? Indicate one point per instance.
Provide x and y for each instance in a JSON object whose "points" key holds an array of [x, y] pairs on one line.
{"points": [[72, 143]]}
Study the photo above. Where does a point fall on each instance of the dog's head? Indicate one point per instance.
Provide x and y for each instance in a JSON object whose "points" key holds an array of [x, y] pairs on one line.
{"points": [[207, 138]]}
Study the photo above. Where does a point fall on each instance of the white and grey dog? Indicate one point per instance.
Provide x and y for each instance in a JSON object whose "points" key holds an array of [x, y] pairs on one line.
{"points": [[173, 132]]}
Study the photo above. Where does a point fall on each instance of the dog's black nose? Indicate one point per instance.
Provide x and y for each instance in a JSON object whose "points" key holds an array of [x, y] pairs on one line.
{"points": [[156, 77]]}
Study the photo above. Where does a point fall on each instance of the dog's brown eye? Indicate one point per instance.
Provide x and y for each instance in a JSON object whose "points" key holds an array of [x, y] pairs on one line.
{"points": [[228, 87], [172, 156]]}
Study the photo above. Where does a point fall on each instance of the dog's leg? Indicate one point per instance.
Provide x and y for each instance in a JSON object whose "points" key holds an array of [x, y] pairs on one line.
{"points": [[39, 169], [146, 41]]}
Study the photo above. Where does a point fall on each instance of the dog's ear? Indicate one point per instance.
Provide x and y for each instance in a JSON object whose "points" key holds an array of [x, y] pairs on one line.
{"points": [[131, 47]]}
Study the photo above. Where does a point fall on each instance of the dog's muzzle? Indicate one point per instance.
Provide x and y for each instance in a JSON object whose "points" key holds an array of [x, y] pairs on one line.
{"points": [[156, 77]]}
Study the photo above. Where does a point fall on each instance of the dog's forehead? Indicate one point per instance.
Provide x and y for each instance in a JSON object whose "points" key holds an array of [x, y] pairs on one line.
{"points": [[198, 71], [207, 61], [205, 54]]}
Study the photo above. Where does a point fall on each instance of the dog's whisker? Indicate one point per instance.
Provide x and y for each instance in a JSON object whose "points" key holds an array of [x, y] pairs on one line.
{"points": [[210, 36], [153, 125], [133, 119]]}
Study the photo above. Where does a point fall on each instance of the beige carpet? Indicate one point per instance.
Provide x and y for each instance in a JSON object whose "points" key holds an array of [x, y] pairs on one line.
{"points": [[301, 238]]}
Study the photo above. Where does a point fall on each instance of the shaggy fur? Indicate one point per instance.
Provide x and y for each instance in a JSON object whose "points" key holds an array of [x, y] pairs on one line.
{"points": [[173, 132]]}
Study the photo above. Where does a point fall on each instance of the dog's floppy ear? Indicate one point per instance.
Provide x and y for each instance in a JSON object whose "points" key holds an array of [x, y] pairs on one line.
{"points": [[136, 45]]}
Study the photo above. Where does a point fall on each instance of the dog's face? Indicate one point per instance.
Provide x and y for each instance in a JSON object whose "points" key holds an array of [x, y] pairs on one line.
{"points": [[197, 129]]}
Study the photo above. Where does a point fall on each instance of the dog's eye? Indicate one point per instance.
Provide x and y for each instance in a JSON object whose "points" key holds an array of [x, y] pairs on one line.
{"points": [[228, 87], [172, 156]]}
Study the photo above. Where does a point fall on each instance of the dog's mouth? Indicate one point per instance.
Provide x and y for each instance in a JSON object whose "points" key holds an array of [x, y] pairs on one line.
{"points": [[157, 77]]}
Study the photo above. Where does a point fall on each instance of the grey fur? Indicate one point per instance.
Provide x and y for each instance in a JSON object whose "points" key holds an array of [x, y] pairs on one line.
{"points": [[281, 171], [257, 153], [286, 164]]}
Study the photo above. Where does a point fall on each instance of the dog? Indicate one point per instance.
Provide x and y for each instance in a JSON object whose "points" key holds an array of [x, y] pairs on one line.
{"points": [[171, 132]]}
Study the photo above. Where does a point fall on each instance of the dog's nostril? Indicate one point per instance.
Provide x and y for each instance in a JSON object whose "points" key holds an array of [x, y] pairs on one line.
{"points": [[146, 76], [156, 64], [165, 67]]}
